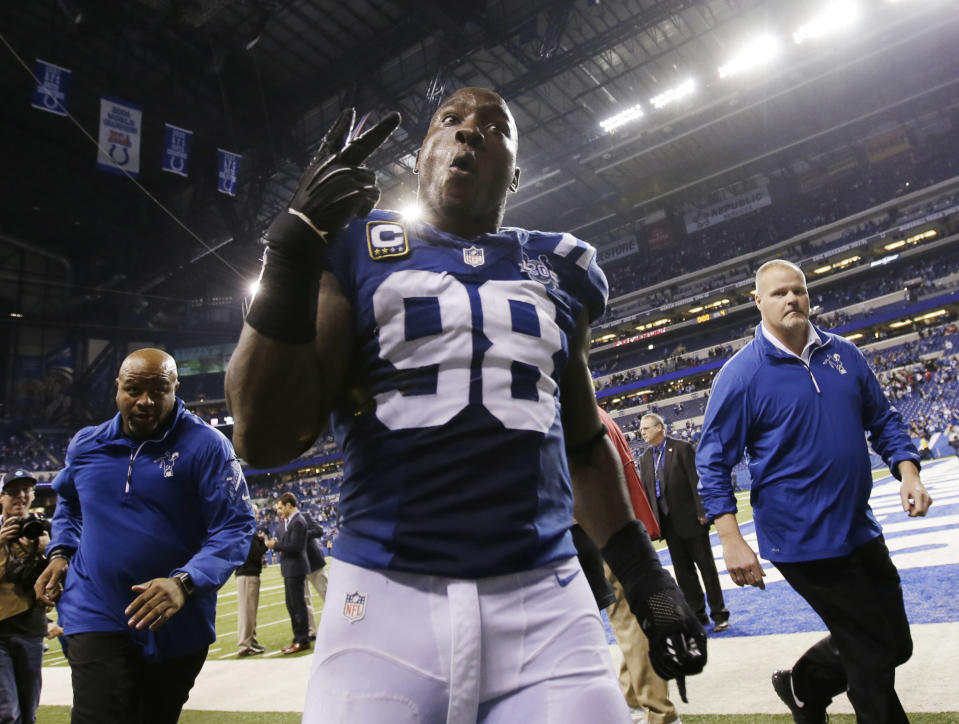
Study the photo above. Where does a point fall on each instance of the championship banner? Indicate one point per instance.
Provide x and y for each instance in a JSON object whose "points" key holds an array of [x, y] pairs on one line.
{"points": [[730, 208], [616, 251], [176, 149], [119, 140], [53, 82], [229, 165]]}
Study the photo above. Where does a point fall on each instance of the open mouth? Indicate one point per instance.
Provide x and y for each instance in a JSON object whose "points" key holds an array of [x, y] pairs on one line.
{"points": [[464, 163]]}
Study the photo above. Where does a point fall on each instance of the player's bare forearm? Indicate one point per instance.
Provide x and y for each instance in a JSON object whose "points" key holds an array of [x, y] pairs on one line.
{"points": [[601, 500], [280, 394], [271, 389]]}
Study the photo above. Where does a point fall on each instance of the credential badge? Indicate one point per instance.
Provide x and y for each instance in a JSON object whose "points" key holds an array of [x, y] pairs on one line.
{"points": [[354, 607], [474, 256], [386, 240]]}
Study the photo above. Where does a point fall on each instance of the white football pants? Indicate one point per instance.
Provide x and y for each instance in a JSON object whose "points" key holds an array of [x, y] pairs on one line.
{"points": [[524, 648]]}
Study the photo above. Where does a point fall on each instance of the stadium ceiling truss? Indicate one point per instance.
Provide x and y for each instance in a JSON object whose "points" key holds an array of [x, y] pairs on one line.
{"points": [[265, 78]]}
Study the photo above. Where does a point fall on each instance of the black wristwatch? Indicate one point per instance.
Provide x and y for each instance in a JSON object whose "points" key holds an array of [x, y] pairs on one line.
{"points": [[185, 581]]}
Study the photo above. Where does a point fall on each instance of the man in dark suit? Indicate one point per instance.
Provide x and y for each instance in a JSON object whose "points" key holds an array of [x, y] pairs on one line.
{"points": [[317, 575], [668, 471], [294, 566]]}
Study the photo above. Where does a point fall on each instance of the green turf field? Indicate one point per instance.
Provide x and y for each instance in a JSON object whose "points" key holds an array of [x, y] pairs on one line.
{"points": [[272, 622], [273, 631]]}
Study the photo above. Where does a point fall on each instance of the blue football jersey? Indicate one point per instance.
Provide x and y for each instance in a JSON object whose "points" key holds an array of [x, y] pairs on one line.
{"points": [[454, 459]]}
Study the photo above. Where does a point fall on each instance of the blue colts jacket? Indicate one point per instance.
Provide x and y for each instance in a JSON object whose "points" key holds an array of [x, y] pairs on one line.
{"points": [[133, 510], [803, 431]]}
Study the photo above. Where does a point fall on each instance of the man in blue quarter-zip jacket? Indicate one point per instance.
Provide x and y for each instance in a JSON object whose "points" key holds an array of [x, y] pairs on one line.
{"points": [[797, 400], [153, 515]]}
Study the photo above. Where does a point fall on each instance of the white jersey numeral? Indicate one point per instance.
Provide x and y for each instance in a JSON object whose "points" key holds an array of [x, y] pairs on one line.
{"points": [[425, 321]]}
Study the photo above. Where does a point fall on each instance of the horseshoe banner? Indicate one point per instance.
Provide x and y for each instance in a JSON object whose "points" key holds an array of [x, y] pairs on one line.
{"points": [[176, 149], [53, 84], [228, 167], [119, 139]]}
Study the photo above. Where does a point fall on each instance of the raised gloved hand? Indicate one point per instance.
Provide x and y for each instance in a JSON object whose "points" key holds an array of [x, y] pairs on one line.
{"points": [[677, 641], [335, 188]]}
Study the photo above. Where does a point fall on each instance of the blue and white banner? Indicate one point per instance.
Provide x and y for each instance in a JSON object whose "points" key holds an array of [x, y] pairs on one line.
{"points": [[176, 149], [119, 140], [730, 208], [53, 83], [229, 166]]}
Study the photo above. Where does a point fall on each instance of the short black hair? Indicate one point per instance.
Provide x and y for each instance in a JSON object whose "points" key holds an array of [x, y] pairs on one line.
{"points": [[288, 499]]}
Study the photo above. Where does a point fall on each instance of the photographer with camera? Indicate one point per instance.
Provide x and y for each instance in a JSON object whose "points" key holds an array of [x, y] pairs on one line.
{"points": [[23, 624]]}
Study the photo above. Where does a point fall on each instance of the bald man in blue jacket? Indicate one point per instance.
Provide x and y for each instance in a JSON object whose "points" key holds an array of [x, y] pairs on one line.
{"points": [[799, 402], [153, 516]]}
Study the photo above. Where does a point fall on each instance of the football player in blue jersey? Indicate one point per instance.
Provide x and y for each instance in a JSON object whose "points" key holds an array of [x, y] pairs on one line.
{"points": [[443, 349]]}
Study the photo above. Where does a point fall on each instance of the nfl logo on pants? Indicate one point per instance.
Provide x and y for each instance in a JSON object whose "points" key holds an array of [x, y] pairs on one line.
{"points": [[354, 607]]}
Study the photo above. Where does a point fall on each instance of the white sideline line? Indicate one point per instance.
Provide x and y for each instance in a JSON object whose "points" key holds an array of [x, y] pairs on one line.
{"points": [[268, 588]]}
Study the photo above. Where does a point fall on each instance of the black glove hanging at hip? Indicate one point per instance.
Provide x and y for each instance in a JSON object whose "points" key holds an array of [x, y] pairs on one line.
{"points": [[677, 642]]}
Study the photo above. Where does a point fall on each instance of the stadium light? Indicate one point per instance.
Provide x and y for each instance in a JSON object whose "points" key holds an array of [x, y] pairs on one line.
{"points": [[757, 52], [410, 212], [832, 18], [622, 118], [254, 288], [673, 94]]}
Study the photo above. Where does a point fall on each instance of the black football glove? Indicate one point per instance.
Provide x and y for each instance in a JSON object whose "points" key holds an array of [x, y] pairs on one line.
{"points": [[677, 641], [336, 187]]}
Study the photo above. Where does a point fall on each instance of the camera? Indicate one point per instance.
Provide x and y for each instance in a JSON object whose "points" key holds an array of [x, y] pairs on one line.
{"points": [[33, 526]]}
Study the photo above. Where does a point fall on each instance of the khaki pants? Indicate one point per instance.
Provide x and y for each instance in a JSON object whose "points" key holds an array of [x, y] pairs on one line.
{"points": [[319, 580], [248, 600], [640, 684]]}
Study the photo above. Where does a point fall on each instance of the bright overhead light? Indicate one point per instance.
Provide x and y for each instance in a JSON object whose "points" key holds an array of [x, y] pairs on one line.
{"points": [[621, 118], [254, 287], [673, 94], [854, 337], [758, 51], [833, 17], [410, 212]]}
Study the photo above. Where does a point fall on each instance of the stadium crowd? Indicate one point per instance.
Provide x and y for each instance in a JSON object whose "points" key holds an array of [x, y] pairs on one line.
{"points": [[779, 221]]}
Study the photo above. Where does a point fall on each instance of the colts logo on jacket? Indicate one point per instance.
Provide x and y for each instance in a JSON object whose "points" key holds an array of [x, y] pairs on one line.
{"points": [[166, 463], [835, 361]]}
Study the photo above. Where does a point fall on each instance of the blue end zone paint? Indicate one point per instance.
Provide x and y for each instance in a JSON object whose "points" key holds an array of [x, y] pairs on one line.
{"points": [[929, 592]]}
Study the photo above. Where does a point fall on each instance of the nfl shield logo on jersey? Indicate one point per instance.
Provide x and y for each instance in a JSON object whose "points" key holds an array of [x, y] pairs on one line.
{"points": [[474, 256], [354, 607]]}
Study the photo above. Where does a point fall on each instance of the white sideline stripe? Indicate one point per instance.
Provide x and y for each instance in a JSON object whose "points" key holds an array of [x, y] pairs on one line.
{"points": [[267, 588], [258, 608]]}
